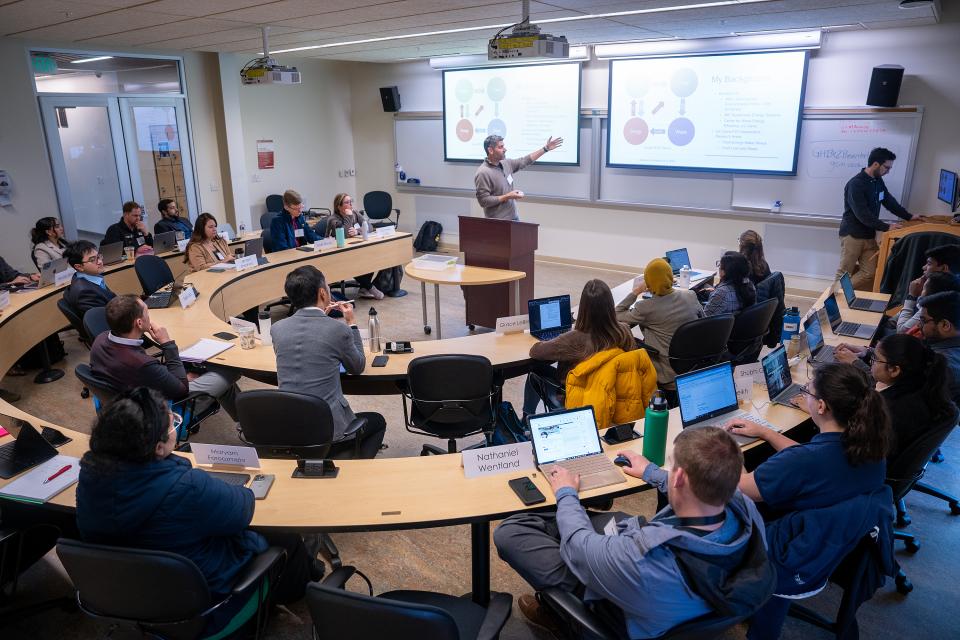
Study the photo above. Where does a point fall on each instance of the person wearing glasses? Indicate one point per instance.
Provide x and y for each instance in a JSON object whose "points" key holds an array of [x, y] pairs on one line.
{"points": [[133, 492], [736, 291], [289, 228], [349, 220], [48, 242], [821, 497], [87, 290]]}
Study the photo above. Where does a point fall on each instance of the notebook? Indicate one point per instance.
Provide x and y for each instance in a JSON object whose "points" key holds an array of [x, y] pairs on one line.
{"points": [[36, 486]]}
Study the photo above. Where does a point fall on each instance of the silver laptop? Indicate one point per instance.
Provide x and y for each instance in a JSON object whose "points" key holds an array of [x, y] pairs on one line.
{"points": [[708, 398], [255, 247], [820, 353], [112, 253], [860, 304], [49, 271], [570, 439], [226, 226], [845, 327], [163, 242], [776, 371]]}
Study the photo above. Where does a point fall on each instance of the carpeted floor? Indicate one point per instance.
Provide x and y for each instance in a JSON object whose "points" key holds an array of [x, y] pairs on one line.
{"points": [[439, 559]]}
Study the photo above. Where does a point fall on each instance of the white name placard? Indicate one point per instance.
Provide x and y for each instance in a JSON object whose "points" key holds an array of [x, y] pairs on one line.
{"points": [[225, 454], [63, 277], [4, 299], [490, 461], [745, 376], [326, 243], [187, 297], [246, 262], [513, 324], [182, 244], [239, 323], [383, 232]]}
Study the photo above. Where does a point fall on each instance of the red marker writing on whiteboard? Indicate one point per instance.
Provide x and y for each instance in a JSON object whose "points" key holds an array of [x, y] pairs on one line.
{"points": [[58, 473]]}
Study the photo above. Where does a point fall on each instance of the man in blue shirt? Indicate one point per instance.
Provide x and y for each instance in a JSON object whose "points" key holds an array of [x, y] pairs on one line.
{"points": [[87, 290], [171, 220], [289, 228], [642, 567], [940, 326]]}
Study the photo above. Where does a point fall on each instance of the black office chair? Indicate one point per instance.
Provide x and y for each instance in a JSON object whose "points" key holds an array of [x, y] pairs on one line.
{"points": [[378, 205], [77, 323], [773, 287], [153, 273], [274, 204], [266, 236], [598, 622], [95, 322], [403, 615], [20, 547], [700, 343], [158, 593], [451, 396], [267, 218], [749, 329]]}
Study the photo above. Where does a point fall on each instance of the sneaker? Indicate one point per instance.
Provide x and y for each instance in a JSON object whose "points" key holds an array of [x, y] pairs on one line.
{"points": [[539, 615], [377, 294], [366, 293]]}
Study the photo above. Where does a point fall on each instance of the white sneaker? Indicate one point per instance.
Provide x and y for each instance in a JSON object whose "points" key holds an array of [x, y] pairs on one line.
{"points": [[376, 293], [366, 293]]}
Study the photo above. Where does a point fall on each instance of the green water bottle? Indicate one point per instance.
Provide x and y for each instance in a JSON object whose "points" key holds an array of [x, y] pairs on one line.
{"points": [[655, 429]]}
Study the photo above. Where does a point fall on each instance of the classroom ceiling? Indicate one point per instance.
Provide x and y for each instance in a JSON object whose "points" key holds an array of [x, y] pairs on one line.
{"points": [[336, 26]]}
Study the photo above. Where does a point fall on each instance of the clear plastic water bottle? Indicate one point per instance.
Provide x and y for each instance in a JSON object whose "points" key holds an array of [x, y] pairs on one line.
{"points": [[365, 228], [264, 320], [243, 229], [684, 279], [373, 326]]}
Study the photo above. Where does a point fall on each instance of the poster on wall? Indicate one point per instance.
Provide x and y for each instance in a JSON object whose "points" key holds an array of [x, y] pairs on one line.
{"points": [[265, 154]]}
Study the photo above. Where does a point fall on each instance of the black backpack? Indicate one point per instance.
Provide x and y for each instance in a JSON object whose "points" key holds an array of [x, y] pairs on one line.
{"points": [[428, 237]]}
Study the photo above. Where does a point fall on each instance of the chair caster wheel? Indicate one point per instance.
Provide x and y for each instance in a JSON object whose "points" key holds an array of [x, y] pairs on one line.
{"points": [[955, 509], [904, 586], [912, 546], [937, 457], [426, 330], [85, 393], [904, 521], [472, 327]]}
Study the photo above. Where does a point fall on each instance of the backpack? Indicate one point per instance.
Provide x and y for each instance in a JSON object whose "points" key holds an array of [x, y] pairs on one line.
{"points": [[388, 280], [508, 429], [428, 237]]}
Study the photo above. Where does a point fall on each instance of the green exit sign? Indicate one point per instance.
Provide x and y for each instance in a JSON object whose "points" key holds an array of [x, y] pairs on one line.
{"points": [[43, 64]]}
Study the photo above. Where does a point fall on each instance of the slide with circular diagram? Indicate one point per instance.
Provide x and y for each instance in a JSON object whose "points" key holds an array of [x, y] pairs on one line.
{"points": [[525, 105], [738, 112]]}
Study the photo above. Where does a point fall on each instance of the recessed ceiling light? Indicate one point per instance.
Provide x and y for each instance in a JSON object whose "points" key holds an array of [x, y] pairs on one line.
{"points": [[82, 60]]}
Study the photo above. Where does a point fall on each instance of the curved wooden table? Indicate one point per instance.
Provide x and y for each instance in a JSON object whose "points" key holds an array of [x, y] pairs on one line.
{"points": [[463, 275]]}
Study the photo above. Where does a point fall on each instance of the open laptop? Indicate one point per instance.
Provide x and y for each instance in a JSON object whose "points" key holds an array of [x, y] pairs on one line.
{"points": [[226, 226], [861, 304], [164, 297], [112, 253], [549, 317], [28, 450], [163, 242], [48, 273], [678, 258], [845, 328], [776, 371], [708, 398], [820, 353], [255, 247], [570, 439]]}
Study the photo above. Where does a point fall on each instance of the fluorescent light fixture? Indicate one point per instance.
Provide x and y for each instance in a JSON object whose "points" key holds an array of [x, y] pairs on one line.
{"points": [[580, 52], [98, 58], [591, 16], [791, 41]]}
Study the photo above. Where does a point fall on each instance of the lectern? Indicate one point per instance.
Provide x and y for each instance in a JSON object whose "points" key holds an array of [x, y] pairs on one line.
{"points": [[497, 244]]}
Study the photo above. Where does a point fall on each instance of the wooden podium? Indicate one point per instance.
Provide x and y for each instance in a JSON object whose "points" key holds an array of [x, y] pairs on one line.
{"points": [[497, 244]]}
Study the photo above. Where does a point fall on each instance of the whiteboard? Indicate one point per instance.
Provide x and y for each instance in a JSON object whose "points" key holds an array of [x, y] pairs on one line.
{"points": [[833, 149], [420, 154]]}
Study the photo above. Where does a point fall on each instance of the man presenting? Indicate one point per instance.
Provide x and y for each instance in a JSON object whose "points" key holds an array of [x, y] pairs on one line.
{"points": [[494, 178], [862, 197]]}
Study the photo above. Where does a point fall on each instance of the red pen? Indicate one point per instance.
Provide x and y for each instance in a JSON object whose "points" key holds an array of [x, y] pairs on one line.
{"points": [[62, 471]]}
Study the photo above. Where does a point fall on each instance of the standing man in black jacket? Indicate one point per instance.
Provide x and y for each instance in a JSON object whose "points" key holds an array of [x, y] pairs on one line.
{"points": [[862, 197]]}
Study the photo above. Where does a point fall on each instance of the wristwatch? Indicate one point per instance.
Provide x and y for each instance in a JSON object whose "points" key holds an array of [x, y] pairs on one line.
{"points": [[545, 148]]}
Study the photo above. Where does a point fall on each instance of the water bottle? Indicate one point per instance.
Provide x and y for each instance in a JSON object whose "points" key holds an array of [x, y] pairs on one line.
{"points": [[791, 324], [265, 339], [365, 229], [243, 229], [655, 422], [373, 325], [793, 347], [684, 279]]}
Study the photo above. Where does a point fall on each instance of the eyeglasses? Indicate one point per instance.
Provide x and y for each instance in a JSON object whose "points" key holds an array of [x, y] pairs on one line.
{"points": [[176, 420], [805, 389], [96, 258], [872, 357]]}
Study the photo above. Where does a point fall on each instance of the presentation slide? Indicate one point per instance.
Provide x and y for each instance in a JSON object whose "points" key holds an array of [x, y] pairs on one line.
{"points": [[525, 105], [732, 113]]}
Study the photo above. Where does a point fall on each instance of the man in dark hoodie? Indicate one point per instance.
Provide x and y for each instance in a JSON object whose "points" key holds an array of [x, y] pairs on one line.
{"points": [[134, 493], [703, 553]]}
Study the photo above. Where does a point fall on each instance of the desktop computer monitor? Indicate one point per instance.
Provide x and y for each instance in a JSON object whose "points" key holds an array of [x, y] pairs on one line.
{"points": [[947, 189]]}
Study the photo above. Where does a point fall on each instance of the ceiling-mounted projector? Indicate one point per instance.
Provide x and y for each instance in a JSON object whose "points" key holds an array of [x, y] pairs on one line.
{"points": [[526, 41], [267, 70]]}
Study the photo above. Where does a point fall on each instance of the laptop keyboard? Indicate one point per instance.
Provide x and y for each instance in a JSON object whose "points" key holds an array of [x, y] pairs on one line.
{"points": [[586, 466], [237, 479], [824, 356], [550, 334], [848, 327], [159, 300]]}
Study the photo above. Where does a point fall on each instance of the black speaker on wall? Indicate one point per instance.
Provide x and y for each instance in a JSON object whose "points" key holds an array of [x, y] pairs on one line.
{"points": [[390, 98], [884, 85]]}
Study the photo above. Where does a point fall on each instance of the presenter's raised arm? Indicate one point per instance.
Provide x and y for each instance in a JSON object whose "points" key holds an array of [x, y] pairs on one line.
{"points": [[550, 145]]}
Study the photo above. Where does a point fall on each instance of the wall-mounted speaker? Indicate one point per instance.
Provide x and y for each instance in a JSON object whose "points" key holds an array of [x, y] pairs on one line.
{"points": [[390, 98], [884, 85]]}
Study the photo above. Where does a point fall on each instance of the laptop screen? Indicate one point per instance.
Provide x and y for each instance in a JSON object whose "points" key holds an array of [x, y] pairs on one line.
{"points": [[706, 393], [833, 311], [562, 435], [776, 371], [549, 313], [255, 246], [847, 287], [678, 258], [814, 332]]}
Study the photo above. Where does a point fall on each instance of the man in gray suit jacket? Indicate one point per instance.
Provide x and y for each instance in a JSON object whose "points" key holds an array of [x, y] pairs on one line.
{"points": [[310, 347]]}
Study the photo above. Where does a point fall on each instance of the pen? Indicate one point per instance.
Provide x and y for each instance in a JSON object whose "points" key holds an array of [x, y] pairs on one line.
{"points": [[61, 471]]}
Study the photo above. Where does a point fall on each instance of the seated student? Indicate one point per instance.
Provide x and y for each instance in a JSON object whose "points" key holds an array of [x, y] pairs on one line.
{"points": [[596, 329], [735, 291], [88, 289], [908, 320], [289, 229], [171, 220], [206, 248], [9, 275], [639, 568], [130, 229], [310, 347], [134, 493], [118, 357], [940, 328], [818, 495], [660, 316], [48, 242], [344, 217], [751, 248]]}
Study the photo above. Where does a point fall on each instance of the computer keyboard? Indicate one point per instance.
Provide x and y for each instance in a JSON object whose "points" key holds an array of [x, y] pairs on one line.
{"points": [[588, 465], [238, 479], [550, 334], [159, 300], [848, 327]]}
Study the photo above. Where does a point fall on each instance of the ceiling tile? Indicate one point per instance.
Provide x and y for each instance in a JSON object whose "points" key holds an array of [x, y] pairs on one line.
{"points": [[23, 16], [119, 21]]}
